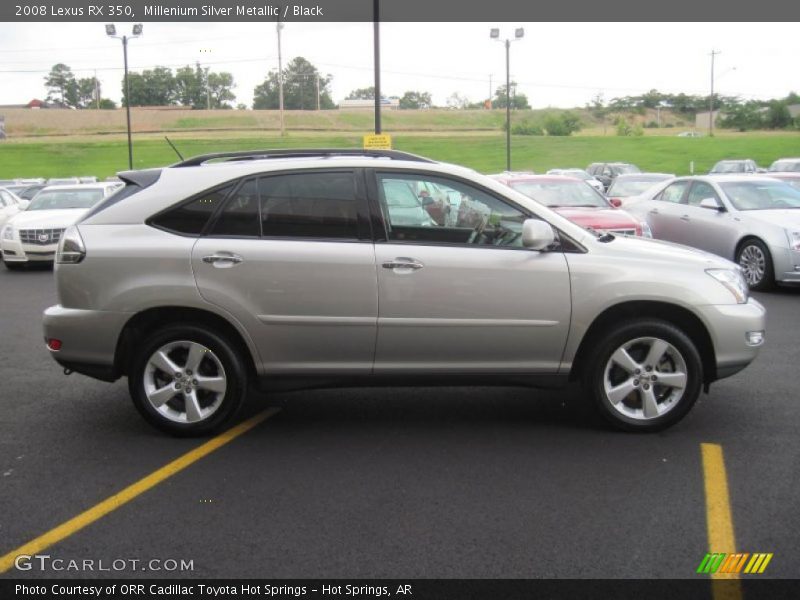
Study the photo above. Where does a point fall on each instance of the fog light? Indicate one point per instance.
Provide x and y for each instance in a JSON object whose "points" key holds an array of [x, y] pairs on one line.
{"points": [[54, 344], [755, 338]]}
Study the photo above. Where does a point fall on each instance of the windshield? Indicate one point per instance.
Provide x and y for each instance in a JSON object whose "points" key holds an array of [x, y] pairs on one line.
{"points": [[62, 199], [561, 193], [630, 187], [786, 166], [761, 195], [729, 167]]}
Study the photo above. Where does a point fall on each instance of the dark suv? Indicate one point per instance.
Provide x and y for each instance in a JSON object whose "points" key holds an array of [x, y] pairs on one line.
{"points": [[606, 173]]}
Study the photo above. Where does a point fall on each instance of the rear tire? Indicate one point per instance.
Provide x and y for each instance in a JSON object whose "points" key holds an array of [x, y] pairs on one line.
{"points": [[644, 376], [756, 262], [187, 380]]}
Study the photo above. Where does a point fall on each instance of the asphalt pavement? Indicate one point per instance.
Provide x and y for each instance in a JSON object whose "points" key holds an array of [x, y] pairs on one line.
{"points": [[396, 483]]}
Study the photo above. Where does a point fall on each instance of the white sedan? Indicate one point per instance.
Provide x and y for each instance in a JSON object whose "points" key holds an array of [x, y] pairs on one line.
{"points": [[32, 235]]}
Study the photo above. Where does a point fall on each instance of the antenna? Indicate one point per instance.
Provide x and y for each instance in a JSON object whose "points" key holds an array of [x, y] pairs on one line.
{"points": [[174, 148]]}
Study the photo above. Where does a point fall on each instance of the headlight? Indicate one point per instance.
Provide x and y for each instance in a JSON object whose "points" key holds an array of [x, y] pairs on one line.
{"points": [[8, 232], [794, 239], [646, 231], [70, 249], [734, 281]]}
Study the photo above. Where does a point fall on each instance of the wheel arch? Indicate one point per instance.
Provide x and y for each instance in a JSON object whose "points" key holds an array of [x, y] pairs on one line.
{"points": [[147, 321], [678, 316]]}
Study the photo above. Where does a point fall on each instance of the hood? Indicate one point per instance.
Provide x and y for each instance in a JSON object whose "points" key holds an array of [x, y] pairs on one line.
{"points": [[660, 251], [599, 218], [787, 218], [47, 219]]}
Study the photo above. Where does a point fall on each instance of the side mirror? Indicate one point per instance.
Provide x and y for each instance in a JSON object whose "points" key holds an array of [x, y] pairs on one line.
{"points": [[537, 235], [23, 204], [615, 202], [711, 203]]}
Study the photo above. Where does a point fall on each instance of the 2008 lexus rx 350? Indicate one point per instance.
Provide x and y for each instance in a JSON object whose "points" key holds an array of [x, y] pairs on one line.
{"points": [[292, 268]]}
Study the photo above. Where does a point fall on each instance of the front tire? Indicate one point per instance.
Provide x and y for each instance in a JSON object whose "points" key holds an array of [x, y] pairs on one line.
{"points": [[756, 262], [187, 380], [645, 376]]}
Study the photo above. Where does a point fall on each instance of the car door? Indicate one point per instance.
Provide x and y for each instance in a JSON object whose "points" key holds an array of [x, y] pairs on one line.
{"points": [[664, 211], [705, 228], [465, 296], [290, 256]]}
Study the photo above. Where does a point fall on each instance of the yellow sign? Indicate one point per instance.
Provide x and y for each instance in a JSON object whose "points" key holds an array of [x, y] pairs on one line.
{"points": [[378, 141]]}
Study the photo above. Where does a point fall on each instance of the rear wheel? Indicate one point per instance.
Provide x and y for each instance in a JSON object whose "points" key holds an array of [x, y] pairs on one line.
{"points": [[187, 380], [645, 375], [756, 262]]}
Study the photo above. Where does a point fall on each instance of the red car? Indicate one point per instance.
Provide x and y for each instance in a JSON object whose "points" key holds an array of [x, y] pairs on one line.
{"points": [[577, 201]]}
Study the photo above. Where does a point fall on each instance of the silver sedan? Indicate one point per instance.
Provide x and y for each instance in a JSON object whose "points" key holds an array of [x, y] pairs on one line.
{"points": [[753, 220]]}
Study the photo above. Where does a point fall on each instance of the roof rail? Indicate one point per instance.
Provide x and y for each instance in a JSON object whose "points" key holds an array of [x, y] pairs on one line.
{"points": [[299, 153]]}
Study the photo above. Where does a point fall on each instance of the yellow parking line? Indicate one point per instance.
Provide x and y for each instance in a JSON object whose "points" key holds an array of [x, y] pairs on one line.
{"points": [[719, 520], [112, 503]]}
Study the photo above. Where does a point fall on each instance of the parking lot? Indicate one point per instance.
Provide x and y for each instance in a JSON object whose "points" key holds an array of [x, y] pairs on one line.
{"points": [[416, 482]]}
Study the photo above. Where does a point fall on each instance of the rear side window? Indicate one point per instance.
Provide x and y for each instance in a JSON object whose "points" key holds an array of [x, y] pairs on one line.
{"points": [[191, 217], [240, 216], [309, 205]]}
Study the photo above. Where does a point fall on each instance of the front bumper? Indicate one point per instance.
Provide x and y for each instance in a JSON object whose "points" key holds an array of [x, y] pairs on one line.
{"points": [[787, 265], [15, 251], [729, 326], [88, 339]]}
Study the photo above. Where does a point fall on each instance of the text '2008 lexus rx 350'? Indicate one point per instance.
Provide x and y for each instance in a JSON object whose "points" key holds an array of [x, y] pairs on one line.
{"points": [[291, 269]]}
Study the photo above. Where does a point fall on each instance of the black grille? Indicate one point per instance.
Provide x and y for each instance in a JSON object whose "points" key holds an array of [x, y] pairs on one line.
{"points": [[40, 237]]}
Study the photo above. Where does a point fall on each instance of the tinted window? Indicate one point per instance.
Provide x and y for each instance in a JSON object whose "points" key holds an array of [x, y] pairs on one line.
{"points": [[240, 215], [310, 205], [674, 192], [429, 209], [191, 217]]}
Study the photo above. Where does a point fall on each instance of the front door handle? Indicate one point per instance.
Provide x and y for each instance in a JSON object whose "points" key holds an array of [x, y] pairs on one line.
{"points": [[223, 260], [403, 262], [654, 211], [685, 218]]}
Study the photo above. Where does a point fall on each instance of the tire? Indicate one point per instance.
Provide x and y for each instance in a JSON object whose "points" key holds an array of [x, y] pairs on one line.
{"points": [[756, 262], [650, 404], [217, 381]]}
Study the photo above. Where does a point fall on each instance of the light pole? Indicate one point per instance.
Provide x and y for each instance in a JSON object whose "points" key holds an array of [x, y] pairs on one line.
{"points": [[111, 31], [494, 34], [280, 76], [711, 97]]}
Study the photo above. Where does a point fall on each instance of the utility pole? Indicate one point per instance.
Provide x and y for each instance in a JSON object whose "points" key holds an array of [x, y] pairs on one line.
{"points": [[317, 91], [711, 97], [508, 105], [280, 76], [96, 91], [377, 42], [208, 92], [490, 91]]}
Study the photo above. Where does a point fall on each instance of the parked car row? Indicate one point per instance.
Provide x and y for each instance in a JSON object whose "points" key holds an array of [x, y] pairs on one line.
{"points": [[31, 229]]}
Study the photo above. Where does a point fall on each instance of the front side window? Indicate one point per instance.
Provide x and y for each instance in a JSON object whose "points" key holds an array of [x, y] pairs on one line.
{"points": [[699, 192], [673, 193], [423, 209]]}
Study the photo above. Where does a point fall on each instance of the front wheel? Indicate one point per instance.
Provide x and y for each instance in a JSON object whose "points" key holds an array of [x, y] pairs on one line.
{"points": [[187, 380], [645, 376], [756, 263]]}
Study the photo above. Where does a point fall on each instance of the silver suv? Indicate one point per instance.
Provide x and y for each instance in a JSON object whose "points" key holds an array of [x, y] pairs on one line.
{"points": [[292, 269]]}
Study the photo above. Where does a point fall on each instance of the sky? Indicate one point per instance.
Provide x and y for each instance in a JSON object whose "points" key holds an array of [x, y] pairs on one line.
{"points": [[555, 64]]}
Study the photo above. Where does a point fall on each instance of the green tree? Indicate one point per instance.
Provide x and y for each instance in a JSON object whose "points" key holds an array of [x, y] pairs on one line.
{"points": [[564, 124], [747, 115], [518, 101], [299, 88], [190, 89], [106, 104], [220, 89], [154, 87], [88, 92], [778, 116], [414, 100], [367, 93], [60, 84]]}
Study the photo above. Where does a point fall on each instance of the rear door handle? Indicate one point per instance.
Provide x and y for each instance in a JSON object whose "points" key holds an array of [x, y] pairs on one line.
{"points": [[403, 262], [223, 260]]}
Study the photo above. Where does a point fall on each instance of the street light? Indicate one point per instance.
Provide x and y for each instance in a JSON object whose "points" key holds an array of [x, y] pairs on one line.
{"points": [[278, 28], [494, 34], [111, 31]]}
